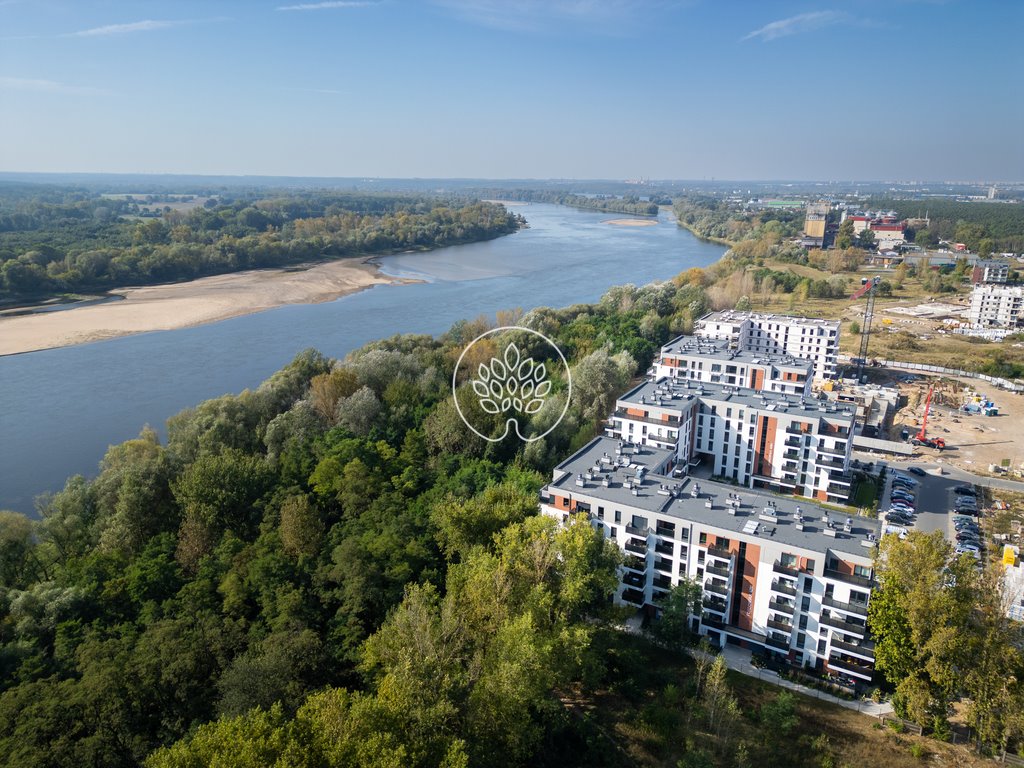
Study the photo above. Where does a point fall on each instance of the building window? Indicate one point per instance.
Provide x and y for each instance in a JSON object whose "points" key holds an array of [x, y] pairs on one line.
{"points": [[805, 604], [787, 560], [618, 516], [703, 538], [803, 622], [821, 647], [807, 585], [801, 639]]}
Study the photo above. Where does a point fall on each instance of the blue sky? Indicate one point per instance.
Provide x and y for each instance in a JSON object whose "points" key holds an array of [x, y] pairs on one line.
{"points": [[865, 89]]}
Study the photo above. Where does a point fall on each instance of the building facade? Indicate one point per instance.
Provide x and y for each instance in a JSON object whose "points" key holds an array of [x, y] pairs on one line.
{"points": [[807, 338], [776, 573], [996, 306], [990, 271]]}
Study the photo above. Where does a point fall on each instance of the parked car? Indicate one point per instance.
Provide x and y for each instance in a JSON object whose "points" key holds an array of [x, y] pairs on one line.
{"points": [[905, 479], [962, 549], [965, 490], [917, 471], [903, 505], [904, 496]]}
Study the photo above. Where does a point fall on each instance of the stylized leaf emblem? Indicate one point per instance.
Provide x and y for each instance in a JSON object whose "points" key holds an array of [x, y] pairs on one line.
{"points": [[511, 383]]}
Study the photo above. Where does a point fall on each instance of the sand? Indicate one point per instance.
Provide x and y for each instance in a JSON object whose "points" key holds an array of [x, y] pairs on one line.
{"points": [[180, 305], [632, 222]]}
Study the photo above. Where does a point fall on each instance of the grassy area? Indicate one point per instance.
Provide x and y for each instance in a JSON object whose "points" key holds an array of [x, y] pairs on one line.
{"points": [[865, 492], [648, 715]]}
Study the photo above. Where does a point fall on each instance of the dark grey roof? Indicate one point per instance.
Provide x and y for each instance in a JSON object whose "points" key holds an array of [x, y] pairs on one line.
{"points": [[719, 349]]}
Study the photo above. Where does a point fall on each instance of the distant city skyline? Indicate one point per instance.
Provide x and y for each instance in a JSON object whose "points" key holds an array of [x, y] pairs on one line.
{"points": [[578, 89]]}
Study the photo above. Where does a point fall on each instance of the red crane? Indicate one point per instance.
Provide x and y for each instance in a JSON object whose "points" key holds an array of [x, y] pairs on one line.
{"points": [[921, 438]]}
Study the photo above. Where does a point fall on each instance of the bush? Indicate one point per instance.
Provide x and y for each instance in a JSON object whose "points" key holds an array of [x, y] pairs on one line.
{"points": [[918, 751]]}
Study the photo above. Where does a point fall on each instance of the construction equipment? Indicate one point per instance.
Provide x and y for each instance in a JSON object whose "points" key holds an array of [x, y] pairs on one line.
{"points": [[921, 438], [868, 286]]}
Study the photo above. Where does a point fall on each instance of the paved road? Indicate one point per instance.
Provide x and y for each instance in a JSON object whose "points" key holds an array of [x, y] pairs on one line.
{"points": [[948, 470]]}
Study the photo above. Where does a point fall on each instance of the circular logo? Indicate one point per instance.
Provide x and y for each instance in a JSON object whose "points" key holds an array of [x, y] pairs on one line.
{"points": [[506, 387]]}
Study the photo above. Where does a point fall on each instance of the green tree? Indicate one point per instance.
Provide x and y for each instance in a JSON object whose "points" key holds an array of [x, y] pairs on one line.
{"points": [[844, 238], [673, 625]]}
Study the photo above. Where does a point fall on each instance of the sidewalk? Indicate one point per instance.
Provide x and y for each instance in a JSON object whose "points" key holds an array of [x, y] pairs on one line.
{"points": [[738, 659]]}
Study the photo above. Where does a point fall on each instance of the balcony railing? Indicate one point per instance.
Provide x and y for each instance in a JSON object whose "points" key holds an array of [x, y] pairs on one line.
{"points": [[847, 626], [662, 582], [840, 452], [632, 529], [865, 648], [789, 570], [710, 620], [851, 666], [778, 642], [714, 604], [665, 566], [638, 564], [861, 609], [633, 596], [668, 533], [633, 579], [782, 626], [721, 552], [780, 586], [778, 605], [791, 454], [717, 571], [621, 414], [849, 578], [716, 587], [664, 548], [636, 546]]}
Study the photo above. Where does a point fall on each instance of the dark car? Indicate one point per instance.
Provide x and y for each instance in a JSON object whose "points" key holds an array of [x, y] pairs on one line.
{"points": [[916, 471], [965, 490]]}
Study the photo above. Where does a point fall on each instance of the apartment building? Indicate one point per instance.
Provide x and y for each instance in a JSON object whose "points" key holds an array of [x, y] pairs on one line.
{"points": [[777, 573], [807, 338], [996, 306], [990, 271], [790, 443], [714, 361]]}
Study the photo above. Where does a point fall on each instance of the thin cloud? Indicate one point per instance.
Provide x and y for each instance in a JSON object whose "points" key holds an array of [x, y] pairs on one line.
{"points": [[33, 85], [795, 25], [146, 25], [325, 5], [538, 15]]}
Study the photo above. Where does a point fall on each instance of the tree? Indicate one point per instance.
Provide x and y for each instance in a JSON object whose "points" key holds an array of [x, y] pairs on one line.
{"points": [[844, 238], [463, 525], [673, 625], [866, 239], [301, 527], [720, 706]]}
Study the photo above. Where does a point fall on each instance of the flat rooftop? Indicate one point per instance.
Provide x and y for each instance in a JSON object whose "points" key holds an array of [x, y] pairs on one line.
{"points": [[718, 349], [732, 509], [732, 316], [668, 392]]}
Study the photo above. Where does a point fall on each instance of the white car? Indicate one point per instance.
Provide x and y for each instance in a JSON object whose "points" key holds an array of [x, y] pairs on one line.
{"points": [[962, 549]]}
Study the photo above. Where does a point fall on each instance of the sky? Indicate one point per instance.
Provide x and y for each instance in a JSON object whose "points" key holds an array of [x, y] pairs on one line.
{"points": [[695, 89]]}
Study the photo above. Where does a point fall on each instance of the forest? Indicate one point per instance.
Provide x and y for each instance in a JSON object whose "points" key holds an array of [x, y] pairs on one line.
{"points": [[984, 227], [631, 204], [64, 240]]}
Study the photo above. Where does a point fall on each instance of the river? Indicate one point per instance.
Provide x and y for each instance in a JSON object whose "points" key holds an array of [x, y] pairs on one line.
{"points": [[62, 408]]}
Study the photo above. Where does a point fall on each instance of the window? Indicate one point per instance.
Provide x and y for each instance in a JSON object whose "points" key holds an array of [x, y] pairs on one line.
{"points": [[862, 570], [809, 567], [821, 647], [787, 560], [618, 516], [807, 585], [803, 622], [600, 512], [801, 638], [805, 603], [703, 538], [722, 543], [612, 532]]}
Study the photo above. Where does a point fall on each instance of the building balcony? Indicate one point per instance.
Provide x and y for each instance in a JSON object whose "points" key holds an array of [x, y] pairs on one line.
{"points": [[781, 586], [830, 462], [715, 604], [634, 531], [860, 609], [782, 626], [636, 546], [711, 620], [717, 571], [719, 588], [778, 605], [665, 566], [662, 582], [664, 548], [669, 532], [633, 597], [840, 452], [849, 578], [789, 570], [635, 580], [846, 626], [864, 649], [637, 564], [793, 441], [791, 454], [794, 431], [724, 554], [620, 413], [838, 490], [852, 667], [790, 466], [782, 643]]}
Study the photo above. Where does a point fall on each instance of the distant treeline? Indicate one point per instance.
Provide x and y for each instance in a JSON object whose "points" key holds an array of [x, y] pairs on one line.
{"points": [[630, 204], [57, 241], [984, 227], [714, 218]]}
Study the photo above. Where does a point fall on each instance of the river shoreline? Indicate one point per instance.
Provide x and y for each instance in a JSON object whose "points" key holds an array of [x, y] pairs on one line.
{"points": [[172, 306]]}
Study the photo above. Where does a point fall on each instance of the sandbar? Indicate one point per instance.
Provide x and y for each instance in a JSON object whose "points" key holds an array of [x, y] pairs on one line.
{"points": [[181, 305], [632, 222]]}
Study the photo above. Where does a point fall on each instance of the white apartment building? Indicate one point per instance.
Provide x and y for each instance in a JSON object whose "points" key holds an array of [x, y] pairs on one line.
{"points": [[990, 271], [996, 306], [759, 439], [808, 338], [714, 361], [777, 573]]}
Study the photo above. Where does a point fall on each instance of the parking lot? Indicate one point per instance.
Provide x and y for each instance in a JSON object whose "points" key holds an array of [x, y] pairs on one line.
{"points": [[934, 498]]}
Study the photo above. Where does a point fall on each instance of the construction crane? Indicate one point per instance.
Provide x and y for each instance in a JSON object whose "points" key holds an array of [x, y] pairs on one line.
{"points": [[921, 438], [867, 287]]}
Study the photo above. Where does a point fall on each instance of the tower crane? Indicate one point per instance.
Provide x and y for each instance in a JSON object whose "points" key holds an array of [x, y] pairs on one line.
{"points": [[867, 287]]}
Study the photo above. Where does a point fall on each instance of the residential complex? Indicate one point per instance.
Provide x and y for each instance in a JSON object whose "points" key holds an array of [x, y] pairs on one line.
{"points": [[778, 573], [990, 271], [996, 306], [807, 338]]}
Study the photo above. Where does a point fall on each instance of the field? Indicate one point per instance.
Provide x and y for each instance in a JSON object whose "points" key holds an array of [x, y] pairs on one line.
{"points": [[184, 204], [651, 719]]}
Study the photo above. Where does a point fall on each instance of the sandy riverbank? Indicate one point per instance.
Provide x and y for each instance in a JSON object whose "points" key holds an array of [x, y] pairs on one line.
{"points": [[632, 222], [180, 305]]}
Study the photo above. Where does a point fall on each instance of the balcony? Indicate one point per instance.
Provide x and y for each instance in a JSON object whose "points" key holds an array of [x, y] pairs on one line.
{"points": [[665, 566], [716, 586], [724, 554], [636, 546], [840, 452], [778, 642], [849, 578], [850, 666], [633, 597], [710, 620], [632, 529], [847, 626], [791, 454], [662, 582], [865, 649], [790, 466], [717, 571], [782, 626], [664, 548], [621, 414], [794, 431], [669, 532], [860, 609], [789, 570], [781, 586], [715, 604], [777, 605], [793, 441], [634, 579], [830, 462], [637, 564]]}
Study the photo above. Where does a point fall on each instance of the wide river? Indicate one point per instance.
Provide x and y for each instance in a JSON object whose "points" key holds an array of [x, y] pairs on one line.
{"points": [[60, 409]]}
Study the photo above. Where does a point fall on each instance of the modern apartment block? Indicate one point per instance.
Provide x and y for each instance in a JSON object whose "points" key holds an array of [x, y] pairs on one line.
{"points": [[791, 443], [714, 361], [996, 306], [990, 271], [808, 338], [777, 573]]}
